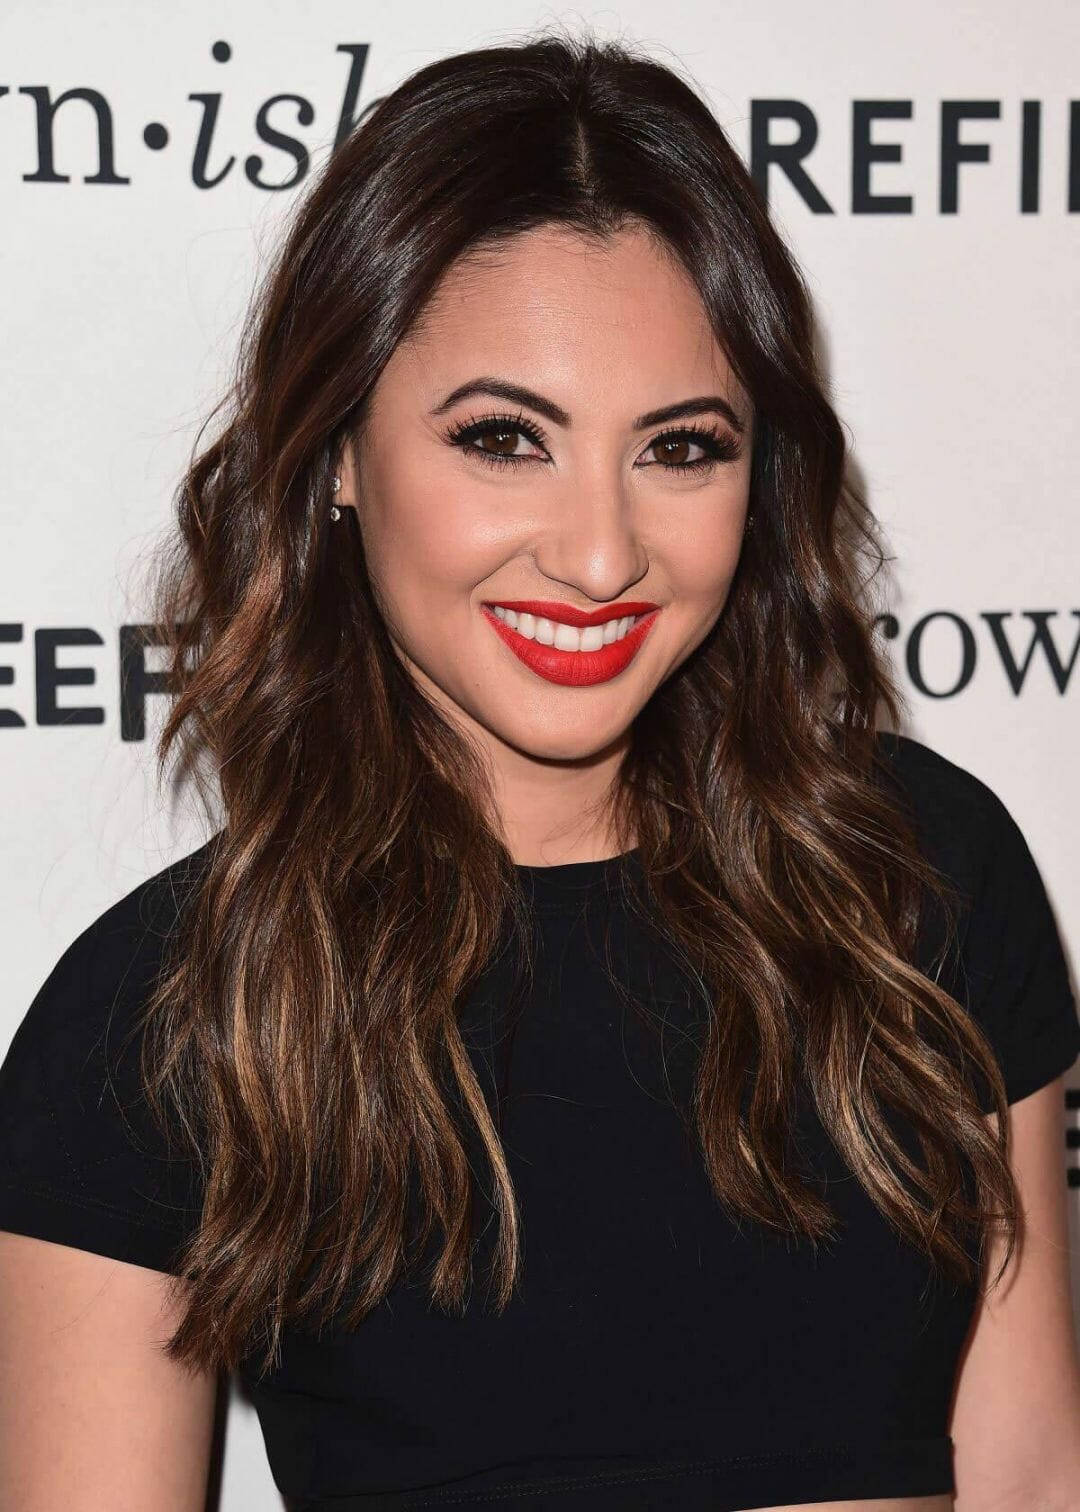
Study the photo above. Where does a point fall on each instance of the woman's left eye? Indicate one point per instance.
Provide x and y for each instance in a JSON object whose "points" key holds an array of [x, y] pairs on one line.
{"points": [[717, 446], [505, 431]]}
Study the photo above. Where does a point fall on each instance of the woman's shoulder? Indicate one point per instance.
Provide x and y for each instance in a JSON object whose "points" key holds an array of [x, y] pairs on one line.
{"points": [[141, 920], [964, 827], [955, 812], [81, 1159], [105, 970], [1011, 969]]}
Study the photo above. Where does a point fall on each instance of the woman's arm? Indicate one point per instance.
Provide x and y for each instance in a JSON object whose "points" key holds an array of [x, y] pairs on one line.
{"points": [[1016, 1413], [92, 1413]]}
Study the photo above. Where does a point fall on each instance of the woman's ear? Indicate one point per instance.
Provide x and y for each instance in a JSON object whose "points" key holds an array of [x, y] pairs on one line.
{"points": [[345, 475]]}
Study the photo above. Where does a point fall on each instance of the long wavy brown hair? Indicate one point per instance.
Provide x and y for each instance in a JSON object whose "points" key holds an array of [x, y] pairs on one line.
{"points": [[304, 1039]]}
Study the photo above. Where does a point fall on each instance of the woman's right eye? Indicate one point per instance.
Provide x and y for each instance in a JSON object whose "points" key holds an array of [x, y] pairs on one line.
{"points": [[504, 431]]}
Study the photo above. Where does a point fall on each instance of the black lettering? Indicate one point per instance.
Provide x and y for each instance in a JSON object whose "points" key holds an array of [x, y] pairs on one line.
{"points": [[348, 120], [954, 152], [1030, 135], [305, 114], [865, 152], [913, 654], [1060, 671], [46, 116], [48, 677], [136, 680], [787, 156], [9, 720], [211, 104]]}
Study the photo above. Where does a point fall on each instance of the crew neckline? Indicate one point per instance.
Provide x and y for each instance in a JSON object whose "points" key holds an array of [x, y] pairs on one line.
{"points": [[573, 881]]}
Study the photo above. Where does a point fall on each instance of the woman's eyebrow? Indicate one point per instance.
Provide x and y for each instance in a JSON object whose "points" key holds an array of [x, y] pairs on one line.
{"points": [[498, 388]]}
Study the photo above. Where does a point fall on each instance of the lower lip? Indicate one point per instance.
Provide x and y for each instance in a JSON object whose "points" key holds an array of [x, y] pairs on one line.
{"points": [[576, 669]]}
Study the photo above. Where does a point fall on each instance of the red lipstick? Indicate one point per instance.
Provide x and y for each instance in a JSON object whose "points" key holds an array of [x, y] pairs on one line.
{"points": [[568, 615], [574, 668]]}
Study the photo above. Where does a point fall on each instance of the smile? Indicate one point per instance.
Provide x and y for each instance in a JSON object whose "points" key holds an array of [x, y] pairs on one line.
{"points": [[596, 647]]}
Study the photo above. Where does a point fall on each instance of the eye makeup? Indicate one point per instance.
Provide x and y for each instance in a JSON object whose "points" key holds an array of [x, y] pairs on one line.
{"points": [[718, 446]]}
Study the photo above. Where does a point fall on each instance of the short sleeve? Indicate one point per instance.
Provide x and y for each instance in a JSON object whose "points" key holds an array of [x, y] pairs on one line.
{"points": [[82, 1161], [1014, 961]]}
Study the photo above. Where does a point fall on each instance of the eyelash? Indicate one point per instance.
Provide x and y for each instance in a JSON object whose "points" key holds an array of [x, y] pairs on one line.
{"points": [[719, 446]]}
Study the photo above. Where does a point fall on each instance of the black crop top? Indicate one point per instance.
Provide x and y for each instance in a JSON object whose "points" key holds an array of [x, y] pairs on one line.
{"points": [[657, 1354]]}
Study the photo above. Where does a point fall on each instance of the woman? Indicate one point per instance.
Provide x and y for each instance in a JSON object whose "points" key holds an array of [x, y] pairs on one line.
{"points": [[590, 1066]]}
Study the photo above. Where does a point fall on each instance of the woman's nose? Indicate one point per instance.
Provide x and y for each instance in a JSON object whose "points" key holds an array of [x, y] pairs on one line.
{"points": [[593, 543]]}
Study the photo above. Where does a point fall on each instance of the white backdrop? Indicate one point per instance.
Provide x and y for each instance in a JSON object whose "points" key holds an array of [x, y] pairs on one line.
{"points": [[948, 303]]}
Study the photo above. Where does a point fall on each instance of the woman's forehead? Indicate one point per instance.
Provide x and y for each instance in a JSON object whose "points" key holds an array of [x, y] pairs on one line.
{"points": [[560, 313]]}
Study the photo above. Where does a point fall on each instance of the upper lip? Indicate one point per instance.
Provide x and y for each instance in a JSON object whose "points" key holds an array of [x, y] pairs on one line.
{"points": [[566, 614]]}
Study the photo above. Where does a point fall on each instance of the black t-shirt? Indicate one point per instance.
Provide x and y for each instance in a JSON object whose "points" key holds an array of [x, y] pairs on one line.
{"points": [[658, 1354]]}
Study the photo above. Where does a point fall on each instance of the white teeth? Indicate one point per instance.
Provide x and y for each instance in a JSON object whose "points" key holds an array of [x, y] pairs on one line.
{"points": [[565, 637]]}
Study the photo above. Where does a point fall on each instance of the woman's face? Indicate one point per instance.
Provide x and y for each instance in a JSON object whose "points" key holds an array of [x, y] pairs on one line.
{"points": [[561, 433]]}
